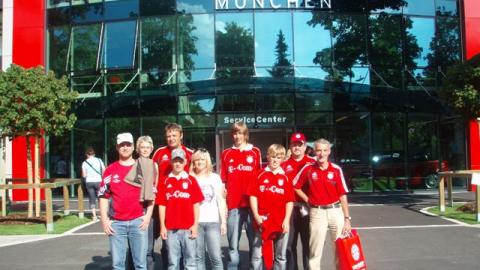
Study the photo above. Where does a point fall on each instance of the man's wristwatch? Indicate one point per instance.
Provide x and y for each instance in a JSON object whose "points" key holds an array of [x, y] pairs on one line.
{"points": [[348, 217]]}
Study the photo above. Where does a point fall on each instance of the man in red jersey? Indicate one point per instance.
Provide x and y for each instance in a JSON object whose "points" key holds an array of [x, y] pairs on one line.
{"points": [[179, 204], [121, 211], [162, 156], [326, 194], [299, 222], [239, 165]]}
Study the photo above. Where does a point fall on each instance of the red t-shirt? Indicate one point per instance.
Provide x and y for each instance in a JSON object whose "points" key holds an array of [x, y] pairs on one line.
{"points": [[323, 186], [124, 202], [273, 192], [237, 170], [291, 167], [162, 158], [179, 195]]}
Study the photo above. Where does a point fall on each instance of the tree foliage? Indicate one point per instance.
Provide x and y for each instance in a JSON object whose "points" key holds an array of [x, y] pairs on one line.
{"points": [[32, 102], [282, 67], [461, 88]]}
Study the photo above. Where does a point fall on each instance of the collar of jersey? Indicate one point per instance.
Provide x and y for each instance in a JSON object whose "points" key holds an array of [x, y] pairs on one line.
{"points": [[278, 170], [248, 147], [182, 175]]}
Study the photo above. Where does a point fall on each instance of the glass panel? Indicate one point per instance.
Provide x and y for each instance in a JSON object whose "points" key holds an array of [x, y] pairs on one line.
{"points": [[119, 45], [385, 41], [352, 149], [121, 82], [88, 84], [420, 33], [448, 48], [197, 120], [446, 7], [349, 41], [313, 102], [158, 43], [59, 39], [351, 102], [121, 9], [59, 156], [383, 78], [122, 105], [311, 40], [311, 79], [389, 7], [423, 155], [85, 47], [423, 7], [196, 104], [58, 16], [388, 159], [197, 75], [356, 80], [235, 103], [153, 104], [204, 138], [273, 42], [195, 6], [58, 3], [87, 132], [196, 41], [155, 128], [313, 118], [421, 80], [234, 45], [274, 102], [85, 2], [153, 8], [89, 108], [452, 144], [87, 13], [115, 126]]}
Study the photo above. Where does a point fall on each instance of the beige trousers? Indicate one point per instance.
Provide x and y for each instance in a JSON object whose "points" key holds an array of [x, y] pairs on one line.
{"points": [[321, 221]]}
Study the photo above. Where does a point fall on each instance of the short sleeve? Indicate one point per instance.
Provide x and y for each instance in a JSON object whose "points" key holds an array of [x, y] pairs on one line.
{"points": [[252, 189], [104, 189], [301, 177], [197, 195], [289, 193]]}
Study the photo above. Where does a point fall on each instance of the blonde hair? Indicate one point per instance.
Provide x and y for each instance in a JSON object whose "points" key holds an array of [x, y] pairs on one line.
{"points": [[199, 154], [173, 126], [242, 128], [275, 150], [144, 139]]}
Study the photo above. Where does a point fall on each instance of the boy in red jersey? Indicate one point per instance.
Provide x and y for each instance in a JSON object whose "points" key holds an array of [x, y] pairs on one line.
{"points": [[180, 197], [299, 222], [121, 211], [271, 200], [326, 194], [239, 165]]}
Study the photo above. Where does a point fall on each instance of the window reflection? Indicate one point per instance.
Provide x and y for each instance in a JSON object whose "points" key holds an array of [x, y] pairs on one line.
{"points": [[385, 41], [195, 6], [86, 41], [119, 45], [154, 8], [423, 7], [313, 102], [115, 126], [446, 7], [121, 9], [59, 40], [58, 3], [88, 132], [274, 102], [236, 103], [422, 31], [310, 39], [447, 50], [158, 42], [87, 13], [196, 41], [196, 104]]}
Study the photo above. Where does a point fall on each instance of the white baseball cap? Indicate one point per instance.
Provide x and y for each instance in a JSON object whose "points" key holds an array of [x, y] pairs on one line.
{"points": [[124, 137], [178, 153]]}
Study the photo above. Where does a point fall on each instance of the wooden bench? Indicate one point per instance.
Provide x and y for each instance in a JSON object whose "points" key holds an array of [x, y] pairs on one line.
{"points": [[48, 185], [448, 176]]}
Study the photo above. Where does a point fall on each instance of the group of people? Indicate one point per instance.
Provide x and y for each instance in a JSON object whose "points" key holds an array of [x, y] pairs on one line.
{"points": [[178, 193]]}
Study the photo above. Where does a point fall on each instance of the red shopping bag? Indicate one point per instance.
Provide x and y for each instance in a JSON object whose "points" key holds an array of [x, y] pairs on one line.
{"points": [[350, 252]]}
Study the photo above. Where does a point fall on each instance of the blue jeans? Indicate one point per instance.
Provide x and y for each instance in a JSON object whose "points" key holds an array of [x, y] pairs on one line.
{"points": [[128, 233], [209, 234], [280, 248], [178, 244], [235, 221]]}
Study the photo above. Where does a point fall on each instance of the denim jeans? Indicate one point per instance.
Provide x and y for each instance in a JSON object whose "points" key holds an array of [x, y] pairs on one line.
{"points": [[209, 234], [280, 247], [298, 227], [236, 219], [178, 244], [128, 233]]}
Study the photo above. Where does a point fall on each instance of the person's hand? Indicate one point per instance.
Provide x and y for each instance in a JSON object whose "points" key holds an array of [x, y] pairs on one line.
{"points": [[286, 226], [107, 226], [347, 227], [223, 229], [163, 232], [194, 231], [258, 220], [145, 223]]}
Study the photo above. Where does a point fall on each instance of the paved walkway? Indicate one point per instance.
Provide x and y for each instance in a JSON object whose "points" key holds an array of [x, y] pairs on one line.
{"points": [[395, 235]]}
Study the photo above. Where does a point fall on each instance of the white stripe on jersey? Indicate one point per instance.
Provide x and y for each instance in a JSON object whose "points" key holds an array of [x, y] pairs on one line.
{"points": [[341, 176], [295, 180]]}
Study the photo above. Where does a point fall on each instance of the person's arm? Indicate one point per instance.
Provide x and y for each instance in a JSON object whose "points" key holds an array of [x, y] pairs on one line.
{"points": [[146, 218], [254, 207], [194, 228], [163, 228], [288, 214], [106, 222], [84, 173], [347, 227], [155, 180], [222, 208], [301, 194]]}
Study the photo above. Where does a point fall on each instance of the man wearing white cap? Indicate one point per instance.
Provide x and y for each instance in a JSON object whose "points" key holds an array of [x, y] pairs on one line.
{"points": [[120, 209]]}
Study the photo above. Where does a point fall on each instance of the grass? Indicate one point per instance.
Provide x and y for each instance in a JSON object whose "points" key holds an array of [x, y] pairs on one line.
{"points": [[453, 213], [61, 224]]}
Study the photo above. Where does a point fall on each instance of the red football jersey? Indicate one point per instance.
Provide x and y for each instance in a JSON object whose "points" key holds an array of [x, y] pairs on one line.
{"points": [[162, 158], [179, 195], [273, 191], [237, 170], [124, 203], [291, 167], [323, 186]]}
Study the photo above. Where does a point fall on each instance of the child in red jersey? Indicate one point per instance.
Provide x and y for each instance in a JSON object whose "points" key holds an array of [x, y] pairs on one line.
{"points": [[179, 204], [271, 201]]}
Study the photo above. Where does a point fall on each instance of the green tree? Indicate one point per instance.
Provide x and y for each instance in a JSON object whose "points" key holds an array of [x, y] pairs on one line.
{"points": [[33, 104], [282, 67]]}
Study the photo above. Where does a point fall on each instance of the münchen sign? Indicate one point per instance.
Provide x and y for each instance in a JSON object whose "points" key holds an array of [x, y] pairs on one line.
{"points": [[275, 4]]}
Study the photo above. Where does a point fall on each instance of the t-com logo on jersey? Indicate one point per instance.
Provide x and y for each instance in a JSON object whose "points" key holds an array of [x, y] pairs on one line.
{"points": [[178, 195], [272, 189], [240, 167]]}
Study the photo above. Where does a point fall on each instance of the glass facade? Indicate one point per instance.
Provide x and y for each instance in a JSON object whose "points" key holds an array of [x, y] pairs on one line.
{"points": [[363, 74]]}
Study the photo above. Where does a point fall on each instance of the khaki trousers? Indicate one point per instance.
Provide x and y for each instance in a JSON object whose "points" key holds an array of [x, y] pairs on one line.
{"points": [[321, 221]]}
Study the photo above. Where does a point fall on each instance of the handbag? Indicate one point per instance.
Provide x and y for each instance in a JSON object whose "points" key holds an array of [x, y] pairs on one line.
{"points": [[350, 253]]}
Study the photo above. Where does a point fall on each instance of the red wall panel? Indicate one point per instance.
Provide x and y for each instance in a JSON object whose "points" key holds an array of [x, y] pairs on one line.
{"points": [[28, 51]]}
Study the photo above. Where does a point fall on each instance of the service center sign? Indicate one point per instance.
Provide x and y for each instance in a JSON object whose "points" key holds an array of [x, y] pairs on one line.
{"points": [[275, 4], [279, 119]]}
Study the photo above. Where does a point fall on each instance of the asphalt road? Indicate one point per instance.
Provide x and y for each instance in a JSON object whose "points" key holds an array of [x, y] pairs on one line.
{"points": [[394, 233]]}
